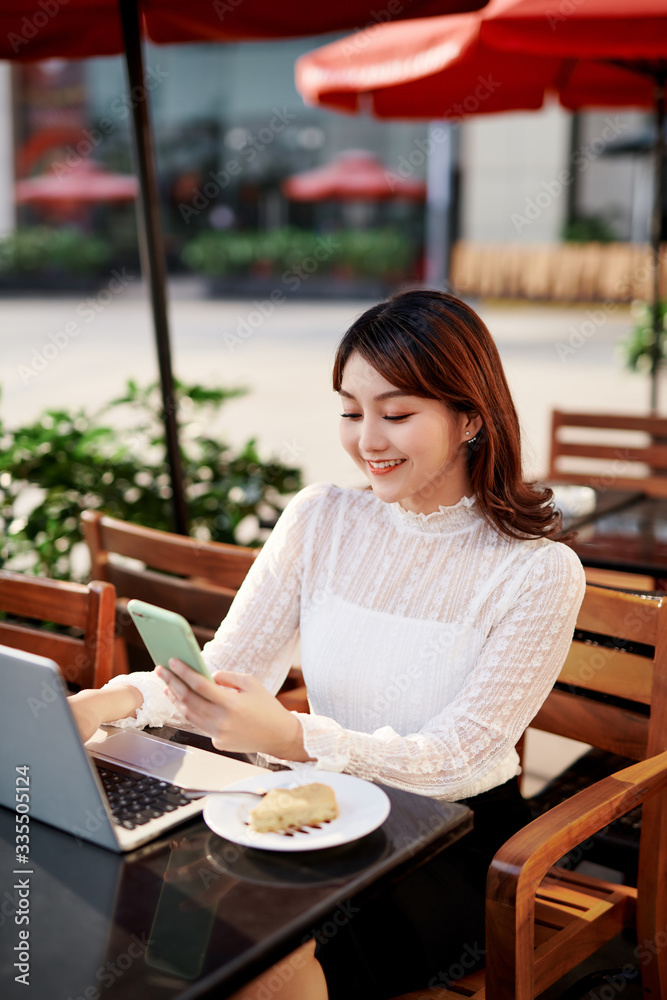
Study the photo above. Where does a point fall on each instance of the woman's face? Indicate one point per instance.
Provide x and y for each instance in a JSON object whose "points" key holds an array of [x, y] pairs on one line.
{"points": [[411, 449]]}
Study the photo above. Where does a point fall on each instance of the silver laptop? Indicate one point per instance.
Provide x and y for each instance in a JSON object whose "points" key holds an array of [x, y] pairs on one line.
{"points": [[120, 791]]}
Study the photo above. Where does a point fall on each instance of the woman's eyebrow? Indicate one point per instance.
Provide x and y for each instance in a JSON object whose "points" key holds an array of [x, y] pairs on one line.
{"points": [[383, 395]]}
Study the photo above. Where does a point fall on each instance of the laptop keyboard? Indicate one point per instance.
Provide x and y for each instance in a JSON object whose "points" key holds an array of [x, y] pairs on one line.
{"points": [[135, 799]]}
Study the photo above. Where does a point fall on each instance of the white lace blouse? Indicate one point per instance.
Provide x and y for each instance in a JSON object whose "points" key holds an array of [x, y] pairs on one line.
{"points": [[428, 642]]}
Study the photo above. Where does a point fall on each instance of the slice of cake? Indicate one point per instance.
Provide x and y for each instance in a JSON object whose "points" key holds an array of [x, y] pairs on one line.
{"points": [[282, 808]]}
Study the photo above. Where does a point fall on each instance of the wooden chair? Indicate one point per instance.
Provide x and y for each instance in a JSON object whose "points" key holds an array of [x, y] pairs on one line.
{"points": [[85, 660], [197, 579], [542, 920], [640, 466]]}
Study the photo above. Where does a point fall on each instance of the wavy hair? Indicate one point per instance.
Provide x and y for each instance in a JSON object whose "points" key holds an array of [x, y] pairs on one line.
{"points": [[431, 344]]}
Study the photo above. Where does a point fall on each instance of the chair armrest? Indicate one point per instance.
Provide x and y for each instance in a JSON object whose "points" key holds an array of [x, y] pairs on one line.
{"points": [[520, 865]]}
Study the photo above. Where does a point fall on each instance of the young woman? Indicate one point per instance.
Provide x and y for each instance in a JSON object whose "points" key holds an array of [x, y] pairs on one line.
{"points": [[434, 610]]}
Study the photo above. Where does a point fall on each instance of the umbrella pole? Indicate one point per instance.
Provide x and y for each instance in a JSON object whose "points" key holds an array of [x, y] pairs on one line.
{"points": [[656, 227], [151, 246]]}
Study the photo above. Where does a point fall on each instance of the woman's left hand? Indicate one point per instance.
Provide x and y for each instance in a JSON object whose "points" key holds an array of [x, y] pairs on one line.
{"points": [[235, 710]]}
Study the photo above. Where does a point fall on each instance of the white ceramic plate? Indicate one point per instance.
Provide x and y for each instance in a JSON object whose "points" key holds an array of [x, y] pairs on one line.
{"points": [[362, 807]]}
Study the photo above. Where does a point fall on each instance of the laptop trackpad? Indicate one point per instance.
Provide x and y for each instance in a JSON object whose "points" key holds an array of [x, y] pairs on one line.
{"points": [[157, 757]]}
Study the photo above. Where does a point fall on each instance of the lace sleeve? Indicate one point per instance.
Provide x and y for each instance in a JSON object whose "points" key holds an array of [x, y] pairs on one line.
{"points": [[517, 667], [261, 629], [157, 709]]}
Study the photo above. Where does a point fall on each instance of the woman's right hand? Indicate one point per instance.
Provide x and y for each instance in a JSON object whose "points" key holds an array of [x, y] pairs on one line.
{"points": [[92, 708]]}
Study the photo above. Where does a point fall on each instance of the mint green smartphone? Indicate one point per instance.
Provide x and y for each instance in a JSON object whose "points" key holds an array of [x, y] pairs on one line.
{"points": [[166, 635]]}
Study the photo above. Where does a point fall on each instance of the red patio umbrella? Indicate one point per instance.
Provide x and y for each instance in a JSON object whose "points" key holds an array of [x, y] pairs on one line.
{"points": [[44, 29], [77, 29], [86, 181], [353, 175], [425, 68], [450, 67], [632, 31]]}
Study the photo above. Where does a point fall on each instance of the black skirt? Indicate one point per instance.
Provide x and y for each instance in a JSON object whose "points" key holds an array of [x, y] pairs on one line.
{"points": [[429, 930]]}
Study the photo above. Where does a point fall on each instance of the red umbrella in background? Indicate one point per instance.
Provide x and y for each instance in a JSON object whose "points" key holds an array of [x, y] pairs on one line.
{"points": [[355, 174], [86, 181], [450, 67], [432, 68], [71, 192], [631, 31], [83, 28], [425, 68], [78, 29]]}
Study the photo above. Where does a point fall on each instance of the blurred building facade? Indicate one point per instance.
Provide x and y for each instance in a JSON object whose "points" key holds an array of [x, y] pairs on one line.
{"points": [[230, 126]]}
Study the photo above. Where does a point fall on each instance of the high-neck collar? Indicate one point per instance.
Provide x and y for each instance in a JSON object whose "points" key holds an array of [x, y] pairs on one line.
{"points": [[442, 521]]}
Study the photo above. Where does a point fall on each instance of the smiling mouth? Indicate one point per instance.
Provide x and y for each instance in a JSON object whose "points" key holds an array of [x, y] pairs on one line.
{"points": [[385, 465]]}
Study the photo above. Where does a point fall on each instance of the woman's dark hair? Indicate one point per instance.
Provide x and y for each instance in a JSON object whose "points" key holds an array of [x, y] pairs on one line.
{"points": [[433, 345]]}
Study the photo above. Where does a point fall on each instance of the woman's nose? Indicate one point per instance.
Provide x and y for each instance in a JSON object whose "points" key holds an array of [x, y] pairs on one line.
{"points": [[373, 438]]}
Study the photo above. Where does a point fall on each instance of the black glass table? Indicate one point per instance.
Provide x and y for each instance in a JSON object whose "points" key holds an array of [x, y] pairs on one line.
{"points": [[192, 915], [606, 501], [630, 539]]}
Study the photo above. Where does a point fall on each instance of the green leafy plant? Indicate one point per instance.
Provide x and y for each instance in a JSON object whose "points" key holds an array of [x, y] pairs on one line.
{"points": [[369, 253], [67, 461], [637, 348], [590, 229], [376, 253], [39, 248]]}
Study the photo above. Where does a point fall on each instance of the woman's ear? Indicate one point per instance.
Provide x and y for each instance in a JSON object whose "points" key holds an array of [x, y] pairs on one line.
{"points": [[472, 424]]}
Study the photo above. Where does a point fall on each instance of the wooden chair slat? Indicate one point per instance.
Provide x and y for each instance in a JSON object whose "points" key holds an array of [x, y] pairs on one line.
{"points": [[101, 624], [609, 727], [127, 630], [612, 421], [652, 455], [625, 616], [575, 944], [64, 649], [86, 661], [41, 598], [227, 565], [554, 914], [212, 603], [610, 671], [652, 486], [558, 877], [579, 902]]}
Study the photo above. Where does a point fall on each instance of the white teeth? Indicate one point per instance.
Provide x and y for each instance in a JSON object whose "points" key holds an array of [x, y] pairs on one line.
{"points": [[386, 465]]}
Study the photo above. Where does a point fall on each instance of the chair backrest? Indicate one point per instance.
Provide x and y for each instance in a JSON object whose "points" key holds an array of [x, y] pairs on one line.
{"points": [[612, 690], [635, 460], [84, 657], [197, 579]]}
